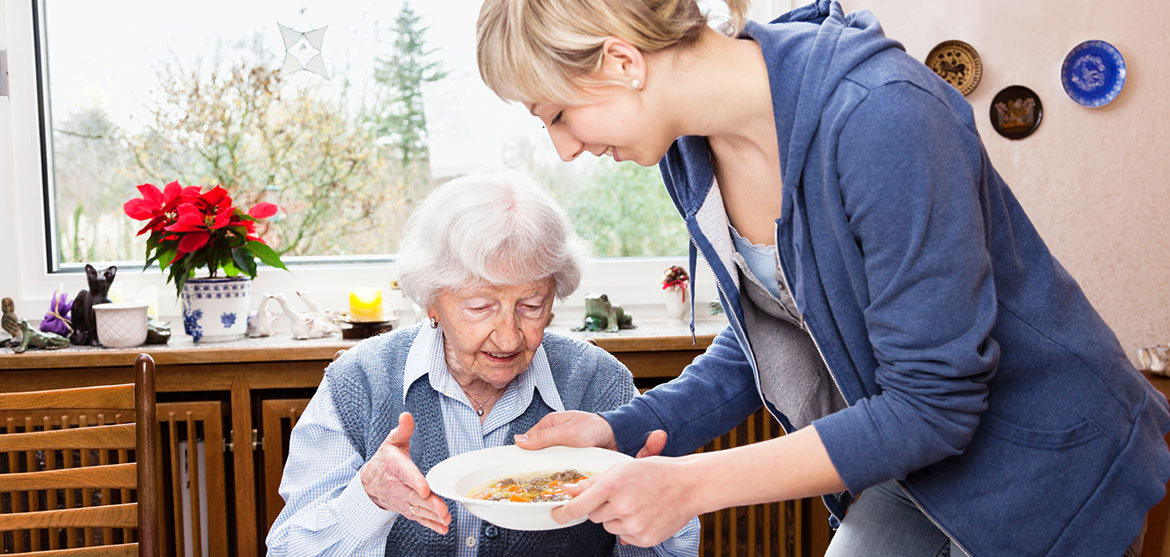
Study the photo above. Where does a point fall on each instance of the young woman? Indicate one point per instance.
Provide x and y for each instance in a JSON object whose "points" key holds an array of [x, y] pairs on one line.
{"points": [[889, 302]]}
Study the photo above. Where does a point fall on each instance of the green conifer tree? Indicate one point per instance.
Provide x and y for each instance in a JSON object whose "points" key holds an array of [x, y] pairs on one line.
{"points": [[399, 118]]}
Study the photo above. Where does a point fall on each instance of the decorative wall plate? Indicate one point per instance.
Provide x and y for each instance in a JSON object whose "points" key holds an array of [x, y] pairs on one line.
{"points": [[1093, 73], [1016, 112], [957, 63]]}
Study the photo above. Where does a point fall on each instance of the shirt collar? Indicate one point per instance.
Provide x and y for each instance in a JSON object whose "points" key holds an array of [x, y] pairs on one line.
{"points": [[426, 358]]}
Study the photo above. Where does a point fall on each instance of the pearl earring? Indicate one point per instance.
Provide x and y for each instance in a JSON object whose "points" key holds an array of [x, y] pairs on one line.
{"points": [[635, 84]]}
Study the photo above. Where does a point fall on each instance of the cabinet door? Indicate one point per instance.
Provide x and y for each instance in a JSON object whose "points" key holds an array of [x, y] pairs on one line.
{"points": [[277, 418], [194, 491]]}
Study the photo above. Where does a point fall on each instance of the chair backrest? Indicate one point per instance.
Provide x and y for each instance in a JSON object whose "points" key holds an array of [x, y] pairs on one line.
{"points": [[66, 474]]}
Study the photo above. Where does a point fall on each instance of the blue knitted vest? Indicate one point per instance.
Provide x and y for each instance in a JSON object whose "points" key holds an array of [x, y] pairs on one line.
{"points": [[366, 384]]}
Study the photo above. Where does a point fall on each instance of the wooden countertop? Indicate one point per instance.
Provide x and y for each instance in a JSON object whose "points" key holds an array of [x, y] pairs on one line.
{"points": [[647, 337]]}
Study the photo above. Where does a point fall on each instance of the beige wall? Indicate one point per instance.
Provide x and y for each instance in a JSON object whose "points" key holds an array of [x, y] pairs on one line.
{"points": [[1096, 182]]}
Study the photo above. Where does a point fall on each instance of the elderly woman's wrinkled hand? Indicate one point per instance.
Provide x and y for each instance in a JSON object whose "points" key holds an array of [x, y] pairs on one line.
{"points": [[394, 482], [571, 428]]}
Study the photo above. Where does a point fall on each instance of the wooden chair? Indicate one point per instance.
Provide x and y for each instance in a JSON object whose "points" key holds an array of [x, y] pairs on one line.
{"points": [[33, 488]]}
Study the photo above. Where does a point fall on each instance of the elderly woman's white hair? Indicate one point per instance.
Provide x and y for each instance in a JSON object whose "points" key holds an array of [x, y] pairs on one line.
{"points": [[488, 228]]}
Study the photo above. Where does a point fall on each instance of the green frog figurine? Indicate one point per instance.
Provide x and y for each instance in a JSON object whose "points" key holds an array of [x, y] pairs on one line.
{"points": [[601, 315], [37, 339]]}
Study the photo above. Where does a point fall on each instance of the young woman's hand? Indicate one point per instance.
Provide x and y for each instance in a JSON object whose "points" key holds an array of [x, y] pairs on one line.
{"points": [[572, 428], [394, 482], [644, 502]]}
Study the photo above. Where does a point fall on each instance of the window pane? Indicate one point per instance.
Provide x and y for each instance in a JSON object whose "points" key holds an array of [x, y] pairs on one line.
{"points": [[345, 113]]}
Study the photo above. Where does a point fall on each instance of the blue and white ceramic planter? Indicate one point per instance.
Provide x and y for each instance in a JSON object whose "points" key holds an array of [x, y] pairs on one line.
{"points": [[216, 309]]}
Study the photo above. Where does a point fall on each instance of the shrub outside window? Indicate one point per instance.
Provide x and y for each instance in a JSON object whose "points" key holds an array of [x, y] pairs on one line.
{"points": [[344, 113]]}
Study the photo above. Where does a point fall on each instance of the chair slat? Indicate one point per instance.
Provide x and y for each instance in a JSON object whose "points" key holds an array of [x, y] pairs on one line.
{"points": [[119, 436], [105, 396], [119, 550], [114, 516], [110, 476]]}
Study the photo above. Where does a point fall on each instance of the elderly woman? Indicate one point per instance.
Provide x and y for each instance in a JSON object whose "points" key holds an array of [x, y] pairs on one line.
{"points": [[485, 255]]}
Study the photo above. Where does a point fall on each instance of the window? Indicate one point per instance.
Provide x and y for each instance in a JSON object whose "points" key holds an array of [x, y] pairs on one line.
{"points": [[344, 113]]}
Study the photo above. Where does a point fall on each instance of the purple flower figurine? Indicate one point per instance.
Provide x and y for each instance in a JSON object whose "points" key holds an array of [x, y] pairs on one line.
{"points": [[55, 320]]}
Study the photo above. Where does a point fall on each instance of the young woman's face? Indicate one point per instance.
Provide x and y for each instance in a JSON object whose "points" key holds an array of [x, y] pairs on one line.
{"points": [[617, 122]]}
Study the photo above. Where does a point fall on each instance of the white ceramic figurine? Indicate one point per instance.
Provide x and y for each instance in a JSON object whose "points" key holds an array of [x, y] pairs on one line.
{"points": [[260, 321], [305, 325]]}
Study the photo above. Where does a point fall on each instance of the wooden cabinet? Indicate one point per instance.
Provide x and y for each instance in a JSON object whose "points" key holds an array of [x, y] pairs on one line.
{"points": [[226, 411], [194, 478], [277, 418]]}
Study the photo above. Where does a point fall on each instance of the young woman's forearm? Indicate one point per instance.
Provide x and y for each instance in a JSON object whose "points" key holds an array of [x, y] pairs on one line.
{"points": [[789, 467]]}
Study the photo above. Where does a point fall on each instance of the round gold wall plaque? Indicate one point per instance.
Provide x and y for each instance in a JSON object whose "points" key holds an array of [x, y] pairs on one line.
{"points": [[957, 63]]}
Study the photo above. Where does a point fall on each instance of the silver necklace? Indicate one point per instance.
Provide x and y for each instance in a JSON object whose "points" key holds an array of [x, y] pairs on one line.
{"points": [[480, 405]]}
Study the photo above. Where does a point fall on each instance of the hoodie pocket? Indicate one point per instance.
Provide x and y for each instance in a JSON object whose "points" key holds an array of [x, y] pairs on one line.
{"points": [[1080, 433], [1008, 477]]}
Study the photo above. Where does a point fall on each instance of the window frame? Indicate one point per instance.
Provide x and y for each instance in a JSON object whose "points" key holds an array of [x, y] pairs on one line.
{"points": [[26, 219]]}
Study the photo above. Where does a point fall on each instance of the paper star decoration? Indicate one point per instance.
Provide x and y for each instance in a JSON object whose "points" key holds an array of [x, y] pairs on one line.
{"points": [[302, 50]]}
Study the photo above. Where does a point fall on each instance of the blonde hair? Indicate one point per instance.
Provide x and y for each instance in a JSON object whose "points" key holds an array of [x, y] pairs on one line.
{"points": [[544, 50]]}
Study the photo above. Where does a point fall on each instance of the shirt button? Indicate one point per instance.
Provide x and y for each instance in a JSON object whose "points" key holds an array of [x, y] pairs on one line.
{"points": [[491, 531], [470, 541]]}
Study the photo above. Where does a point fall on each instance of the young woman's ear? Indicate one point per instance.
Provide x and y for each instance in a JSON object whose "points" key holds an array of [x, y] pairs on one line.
{"points": [[622, 62]]}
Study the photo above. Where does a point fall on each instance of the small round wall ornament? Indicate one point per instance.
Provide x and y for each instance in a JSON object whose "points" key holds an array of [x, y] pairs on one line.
{"points": [[1093, 73], [957, 63], [1016, 112]]}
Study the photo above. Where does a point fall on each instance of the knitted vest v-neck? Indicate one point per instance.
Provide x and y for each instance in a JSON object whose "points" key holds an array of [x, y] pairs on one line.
{"points": [[366, 385]]}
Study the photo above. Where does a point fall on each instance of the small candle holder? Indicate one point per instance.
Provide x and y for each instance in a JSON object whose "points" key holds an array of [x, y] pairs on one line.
{"points": [[357, 330]]}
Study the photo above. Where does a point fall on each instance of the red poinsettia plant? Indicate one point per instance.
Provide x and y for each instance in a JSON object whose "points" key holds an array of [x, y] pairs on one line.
{"points": [[192, 229]]}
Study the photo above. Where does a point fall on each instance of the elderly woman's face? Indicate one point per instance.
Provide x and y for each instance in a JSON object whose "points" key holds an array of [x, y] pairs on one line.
{"points": [[491, 333]]}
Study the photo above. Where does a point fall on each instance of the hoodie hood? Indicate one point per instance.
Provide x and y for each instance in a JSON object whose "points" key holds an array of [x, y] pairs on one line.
{"points": [[823, 47], [815, 49]]}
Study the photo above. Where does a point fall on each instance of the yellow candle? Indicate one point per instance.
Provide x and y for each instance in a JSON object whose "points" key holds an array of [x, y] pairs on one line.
{"points": [[365, 304]]}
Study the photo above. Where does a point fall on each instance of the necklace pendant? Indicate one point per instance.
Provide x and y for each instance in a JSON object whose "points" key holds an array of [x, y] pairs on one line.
{"points": [[479, 411]]}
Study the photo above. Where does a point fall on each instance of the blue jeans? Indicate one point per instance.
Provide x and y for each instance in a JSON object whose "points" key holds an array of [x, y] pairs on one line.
{"points": [[883, 522]]}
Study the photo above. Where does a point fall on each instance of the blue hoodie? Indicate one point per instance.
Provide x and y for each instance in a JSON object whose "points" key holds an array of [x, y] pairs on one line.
{"points": [[976, 372]]}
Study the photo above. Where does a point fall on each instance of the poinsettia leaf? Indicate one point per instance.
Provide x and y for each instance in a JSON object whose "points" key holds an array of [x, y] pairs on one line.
{"points": [[138, 209], [266, 254], [151, 194], [180, 281], [151, 258], [263, 210], [229, 268], [236, 236], [245, 261], [167, 257], [178, 277]]}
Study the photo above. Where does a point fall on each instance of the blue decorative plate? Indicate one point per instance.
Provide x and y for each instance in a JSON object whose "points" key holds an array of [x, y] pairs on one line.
{"points": [[1093, 73]]}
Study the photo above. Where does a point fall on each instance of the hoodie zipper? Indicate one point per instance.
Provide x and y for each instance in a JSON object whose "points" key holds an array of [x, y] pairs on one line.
{"points": [[817, 345], [730, 312], [833, 376]]}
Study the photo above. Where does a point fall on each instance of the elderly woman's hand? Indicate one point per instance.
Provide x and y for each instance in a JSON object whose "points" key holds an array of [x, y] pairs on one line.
{"points": [[394, 482], [571, 428]]}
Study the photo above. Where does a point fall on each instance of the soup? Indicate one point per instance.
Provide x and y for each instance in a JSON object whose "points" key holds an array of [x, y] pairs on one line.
{"points": [[537, 487]]}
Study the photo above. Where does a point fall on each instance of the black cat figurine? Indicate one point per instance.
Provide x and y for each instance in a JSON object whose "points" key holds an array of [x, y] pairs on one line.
{"points": [[82, 314]]}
